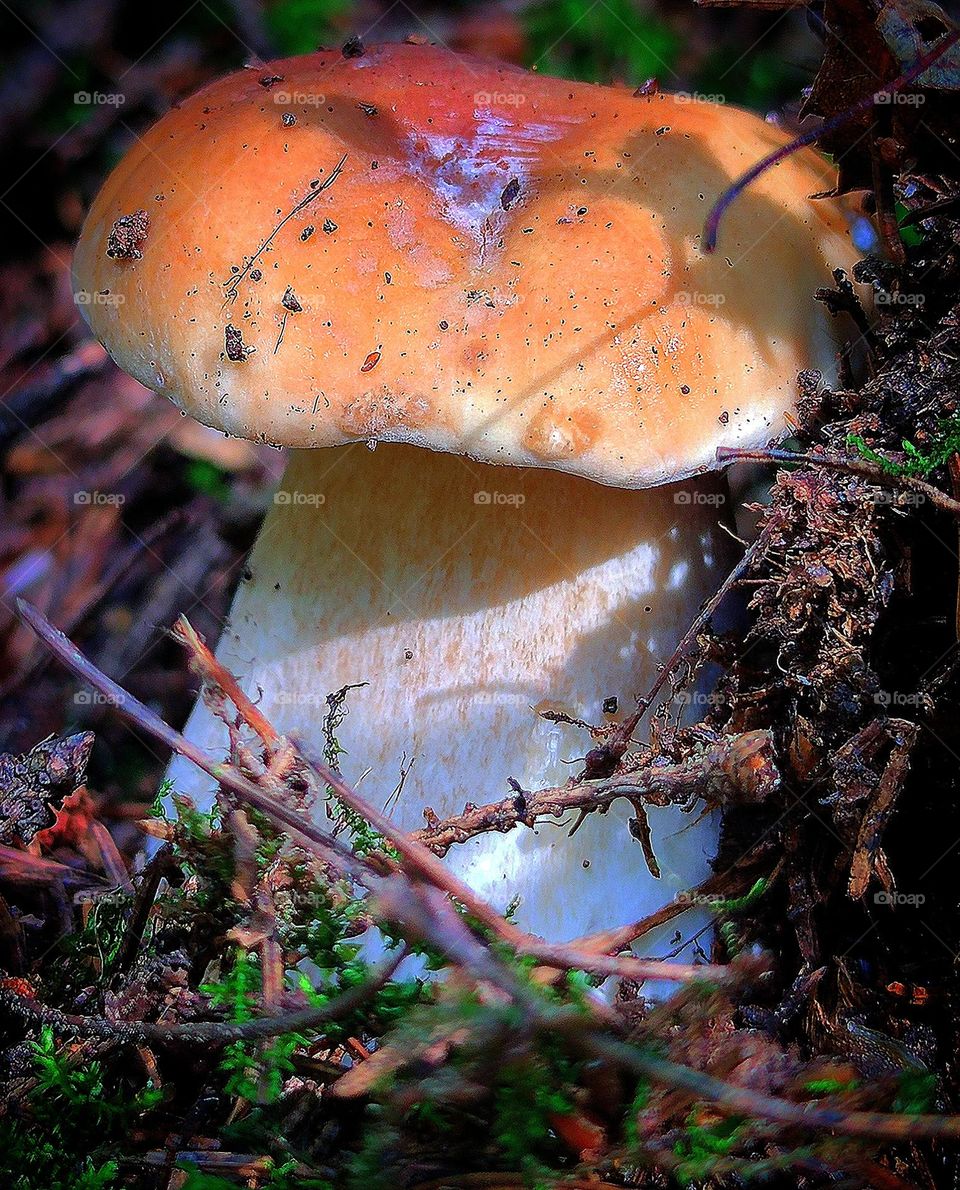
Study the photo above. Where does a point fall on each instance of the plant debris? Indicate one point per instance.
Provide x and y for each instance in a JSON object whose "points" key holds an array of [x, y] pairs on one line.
{"points": [[126, 238], [33, 787]]}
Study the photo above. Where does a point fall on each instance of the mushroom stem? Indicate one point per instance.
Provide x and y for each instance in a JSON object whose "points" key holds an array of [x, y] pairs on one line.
{"points": [[468, 597]]}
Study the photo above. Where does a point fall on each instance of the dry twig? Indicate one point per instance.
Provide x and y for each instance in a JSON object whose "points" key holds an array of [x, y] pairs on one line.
{"points": [[200, 1032], [858, 467]]}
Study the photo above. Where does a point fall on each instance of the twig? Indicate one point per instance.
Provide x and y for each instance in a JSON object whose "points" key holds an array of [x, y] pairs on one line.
{"points": [[604, 760], [201, 1032], [706, 612], [714, 775], [734, 1100], [366, 871], [161, 865], [310, 836], [432, 906], [110, 856], [369, 872], [232, 283], [419, 858], [23, 868], [422, 861], [711, 227], [867, 855], [857, 467], [617, 939], [207, 664]]}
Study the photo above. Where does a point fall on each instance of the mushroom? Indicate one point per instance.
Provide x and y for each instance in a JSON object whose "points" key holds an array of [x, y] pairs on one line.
{"points": [[466, 265]]}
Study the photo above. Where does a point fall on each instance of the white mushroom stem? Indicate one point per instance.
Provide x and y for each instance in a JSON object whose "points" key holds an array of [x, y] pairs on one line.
{"points": [[468, 597]]}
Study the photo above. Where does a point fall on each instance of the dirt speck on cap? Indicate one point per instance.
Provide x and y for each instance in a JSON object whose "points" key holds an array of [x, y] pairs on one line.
{"points": [[233, 344], [511, 192], [127, 235]]}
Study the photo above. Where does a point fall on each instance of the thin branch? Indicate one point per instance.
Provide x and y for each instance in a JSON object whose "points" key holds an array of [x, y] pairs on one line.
{"points": [[735, 1100], [431, 909], [206, 664], [422, 862], [711, 227], [306, 833], [603, 761], [232, 283], [706, 612], [713, 775], [419, 859], [161, 865], [858, 467], [201, 1032], [367, 871], [619, 937]]}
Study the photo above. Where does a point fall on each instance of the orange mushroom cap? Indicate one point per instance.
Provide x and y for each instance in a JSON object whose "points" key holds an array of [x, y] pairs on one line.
{"points": [[417, 246]]}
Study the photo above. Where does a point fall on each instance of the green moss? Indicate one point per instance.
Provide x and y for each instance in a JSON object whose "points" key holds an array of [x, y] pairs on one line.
{"points": [[76, 1117], [701, 1144], [918, 463], [830, 1086], [916, 1093]]}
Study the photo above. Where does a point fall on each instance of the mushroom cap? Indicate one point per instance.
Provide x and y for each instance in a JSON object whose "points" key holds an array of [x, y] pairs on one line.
{"points": [[406, 244]]}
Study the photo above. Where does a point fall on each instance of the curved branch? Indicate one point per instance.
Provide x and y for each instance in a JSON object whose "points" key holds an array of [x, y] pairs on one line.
{"points": [[711, 227], [200, 1032], [735, 1100], [833, 462]]}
